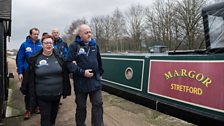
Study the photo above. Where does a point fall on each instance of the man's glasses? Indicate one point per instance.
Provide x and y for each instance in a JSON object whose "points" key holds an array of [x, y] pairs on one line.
{"points": [[48, 43], [87, 32]]}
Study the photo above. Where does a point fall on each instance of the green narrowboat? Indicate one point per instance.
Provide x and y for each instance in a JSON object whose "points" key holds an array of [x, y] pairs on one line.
{"points": [[186, 84]]}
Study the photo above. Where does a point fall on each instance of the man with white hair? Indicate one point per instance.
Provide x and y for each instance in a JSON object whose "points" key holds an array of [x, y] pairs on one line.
{"points": [[84, 61]]}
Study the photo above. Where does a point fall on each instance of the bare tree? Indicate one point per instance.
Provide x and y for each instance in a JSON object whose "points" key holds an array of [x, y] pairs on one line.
{"points": [[97, 29], [101, 27], [107, 32], [190, 21], [135, 24], [69, 36], [162, 22], [118, 29], [175, 22]]}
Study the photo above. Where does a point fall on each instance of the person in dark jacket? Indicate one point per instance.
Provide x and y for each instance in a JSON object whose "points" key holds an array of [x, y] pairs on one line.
{"points": [[60, 45], [84, 61], [27, 49], [48, 79]]}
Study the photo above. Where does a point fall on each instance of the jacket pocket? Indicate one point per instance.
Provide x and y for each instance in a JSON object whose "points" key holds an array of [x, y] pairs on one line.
{"points": [[98, 77]]}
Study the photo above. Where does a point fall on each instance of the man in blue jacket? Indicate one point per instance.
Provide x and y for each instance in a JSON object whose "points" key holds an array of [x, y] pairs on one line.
{"points": [[59, 44], [27, 49], [84, 61]]}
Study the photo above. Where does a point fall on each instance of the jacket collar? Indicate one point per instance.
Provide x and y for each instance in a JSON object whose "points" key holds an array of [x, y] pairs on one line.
{"points": [[78, 40], [29, 40], [59, 40]]}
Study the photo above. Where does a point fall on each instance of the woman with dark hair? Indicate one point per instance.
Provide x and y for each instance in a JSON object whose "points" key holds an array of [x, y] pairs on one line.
{"points": [[49, 80]]}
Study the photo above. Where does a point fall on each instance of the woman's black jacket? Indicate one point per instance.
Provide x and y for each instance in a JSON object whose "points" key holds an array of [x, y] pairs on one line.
{"points": [[28, 83]]}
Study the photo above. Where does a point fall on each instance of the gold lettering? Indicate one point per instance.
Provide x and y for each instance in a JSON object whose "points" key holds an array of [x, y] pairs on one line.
{"points": [[199, 77], [199, 91], [181, 88], [195, 90], [168, 75], [177, 87], [191, 74], [183, 72], [186, 89], [176, 74], [172, 86], [207, 81], [191, 90]]}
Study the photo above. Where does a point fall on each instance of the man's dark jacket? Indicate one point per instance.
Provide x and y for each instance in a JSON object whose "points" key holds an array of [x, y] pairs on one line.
{"points": [[86, 56], [61, 46]]}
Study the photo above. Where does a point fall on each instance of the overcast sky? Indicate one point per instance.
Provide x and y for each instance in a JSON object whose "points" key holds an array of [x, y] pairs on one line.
{"points": [[48, 14]]}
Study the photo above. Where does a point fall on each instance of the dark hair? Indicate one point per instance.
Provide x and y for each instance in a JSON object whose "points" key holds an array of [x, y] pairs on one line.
{"points": [[31, 30], [46, 36], [45, 33]]}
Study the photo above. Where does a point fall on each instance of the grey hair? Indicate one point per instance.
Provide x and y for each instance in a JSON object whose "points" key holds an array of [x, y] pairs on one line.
{"points": [[76, 31]]}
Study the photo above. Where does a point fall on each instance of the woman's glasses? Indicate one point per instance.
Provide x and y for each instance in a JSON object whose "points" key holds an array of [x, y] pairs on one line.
{"points": [[48, 43]]}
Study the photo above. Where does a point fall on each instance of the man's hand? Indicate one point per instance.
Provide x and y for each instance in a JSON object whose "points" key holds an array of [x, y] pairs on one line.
{"points": [[88, 73], [74, 62], [20, 77]]}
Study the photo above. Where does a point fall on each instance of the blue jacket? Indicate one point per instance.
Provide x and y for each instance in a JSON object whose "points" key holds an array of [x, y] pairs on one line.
{"points": [[86, 57], [61, 47], [27, 49]]}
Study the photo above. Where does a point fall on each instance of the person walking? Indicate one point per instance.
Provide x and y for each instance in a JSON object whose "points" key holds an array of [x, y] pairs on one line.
{"points": [[27, 49], [84, 61], [60, 45], [48, 78]]}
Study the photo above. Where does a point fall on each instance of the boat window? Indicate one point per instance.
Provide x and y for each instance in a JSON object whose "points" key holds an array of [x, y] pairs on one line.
{"points": [[216, 31]]}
